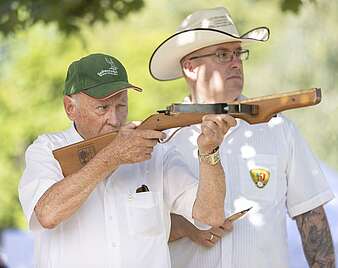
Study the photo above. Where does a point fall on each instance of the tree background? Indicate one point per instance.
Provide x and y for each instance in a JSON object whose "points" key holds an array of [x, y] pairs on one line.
{"points": [[36, 50]]}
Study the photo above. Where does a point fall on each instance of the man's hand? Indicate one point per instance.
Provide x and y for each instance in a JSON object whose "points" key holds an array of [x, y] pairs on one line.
{"points": [[209, 238], [213, 129], [133, 145], [181, 227]]}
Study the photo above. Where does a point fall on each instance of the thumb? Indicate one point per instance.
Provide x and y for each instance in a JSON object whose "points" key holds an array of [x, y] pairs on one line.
{"points": [[227, 226]]}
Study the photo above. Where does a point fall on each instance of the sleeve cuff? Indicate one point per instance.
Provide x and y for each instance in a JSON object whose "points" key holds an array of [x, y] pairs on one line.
{"points": [[314, 202], [41, 187], [184, 204]]}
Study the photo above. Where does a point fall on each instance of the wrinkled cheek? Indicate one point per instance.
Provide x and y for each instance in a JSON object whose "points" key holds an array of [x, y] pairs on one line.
{"points": [[93, 127]]}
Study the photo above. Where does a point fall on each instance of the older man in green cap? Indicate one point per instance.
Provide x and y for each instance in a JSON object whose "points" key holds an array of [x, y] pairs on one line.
{"points": [[114, 212]]}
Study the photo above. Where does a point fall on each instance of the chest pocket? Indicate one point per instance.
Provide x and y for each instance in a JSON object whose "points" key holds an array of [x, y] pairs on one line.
{"points": [[258, 177], [143, 214]]}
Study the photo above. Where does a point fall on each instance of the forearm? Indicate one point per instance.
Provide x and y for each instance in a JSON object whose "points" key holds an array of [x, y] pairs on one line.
{"points": [[65, 197], [316, 238], [209, 205]]}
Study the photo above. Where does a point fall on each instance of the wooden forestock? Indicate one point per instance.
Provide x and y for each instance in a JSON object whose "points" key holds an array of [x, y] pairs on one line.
{"points": [[75, 156], [273, 104]]}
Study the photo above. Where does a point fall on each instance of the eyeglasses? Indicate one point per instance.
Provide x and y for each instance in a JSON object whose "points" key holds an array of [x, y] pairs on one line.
{"points": [[225, 56]]}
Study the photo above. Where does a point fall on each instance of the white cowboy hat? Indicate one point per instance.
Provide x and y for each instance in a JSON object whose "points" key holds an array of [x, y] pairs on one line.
{"points": [[200, 29]]}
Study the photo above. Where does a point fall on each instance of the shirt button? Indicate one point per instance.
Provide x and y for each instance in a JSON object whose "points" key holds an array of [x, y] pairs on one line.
{"points": [[113, 244], [110, 218]]}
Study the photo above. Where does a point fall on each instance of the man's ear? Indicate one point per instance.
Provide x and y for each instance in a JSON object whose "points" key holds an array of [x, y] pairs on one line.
{"points": [[69, 104], [189, 70]]}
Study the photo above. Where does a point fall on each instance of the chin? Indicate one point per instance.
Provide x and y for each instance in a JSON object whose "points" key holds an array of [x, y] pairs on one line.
{"points": [[235, 85], [234, 92]]}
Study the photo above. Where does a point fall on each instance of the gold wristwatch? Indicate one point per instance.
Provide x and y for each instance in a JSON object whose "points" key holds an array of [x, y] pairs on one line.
{"points": [[212, 158]]}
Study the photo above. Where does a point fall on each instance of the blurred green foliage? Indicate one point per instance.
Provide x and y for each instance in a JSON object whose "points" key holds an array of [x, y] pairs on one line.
{"points": [[68, 15], [20, 14], [300, 54]]}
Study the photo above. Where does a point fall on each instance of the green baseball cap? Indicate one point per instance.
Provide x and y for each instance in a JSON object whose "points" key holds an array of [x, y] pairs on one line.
{"points": [[97, 75]]}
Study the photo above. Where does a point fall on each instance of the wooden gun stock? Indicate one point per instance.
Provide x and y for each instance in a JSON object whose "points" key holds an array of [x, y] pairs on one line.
{"points": [[270, 105], [73, 157]]}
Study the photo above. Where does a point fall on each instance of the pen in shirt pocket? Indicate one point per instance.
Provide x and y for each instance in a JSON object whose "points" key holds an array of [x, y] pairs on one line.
{"points": [[142, 188]]}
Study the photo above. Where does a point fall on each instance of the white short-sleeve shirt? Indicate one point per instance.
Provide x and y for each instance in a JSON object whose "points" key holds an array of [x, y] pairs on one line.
{"points": [[295, 185], [115, 227]]}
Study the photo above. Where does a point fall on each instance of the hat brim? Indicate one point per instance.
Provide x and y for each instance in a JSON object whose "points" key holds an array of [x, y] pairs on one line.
{"points": [[107, 90], [164, 63]]}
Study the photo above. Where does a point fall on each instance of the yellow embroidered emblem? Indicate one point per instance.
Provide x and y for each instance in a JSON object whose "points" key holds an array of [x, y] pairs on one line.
{"points": [[260, 176]]}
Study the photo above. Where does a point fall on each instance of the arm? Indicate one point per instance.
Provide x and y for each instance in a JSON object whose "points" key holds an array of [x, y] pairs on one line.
{"points": [[316, 238], [65, 197], [209, 204], [181, 227]]}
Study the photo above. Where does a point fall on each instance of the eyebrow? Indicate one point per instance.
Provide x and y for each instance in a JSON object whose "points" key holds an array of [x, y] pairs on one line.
{"points": [[118, 102], [227, 49], [102, 104], [221, 48]]}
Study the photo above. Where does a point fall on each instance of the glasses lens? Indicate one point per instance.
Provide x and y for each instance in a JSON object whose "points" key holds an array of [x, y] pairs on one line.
{"points": [[243, 54], [223, 56]]}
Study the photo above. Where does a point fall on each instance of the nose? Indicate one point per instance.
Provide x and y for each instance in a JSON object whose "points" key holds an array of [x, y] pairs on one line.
{"points": [[235, 62], [112, 117]]}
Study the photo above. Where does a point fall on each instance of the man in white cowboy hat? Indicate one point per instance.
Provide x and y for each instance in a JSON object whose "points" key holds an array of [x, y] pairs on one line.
{"points": [[269, 167]]}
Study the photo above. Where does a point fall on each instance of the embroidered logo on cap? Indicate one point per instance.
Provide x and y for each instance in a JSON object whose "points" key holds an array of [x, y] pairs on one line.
{"points": [[260, 176], [112, 69]]}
